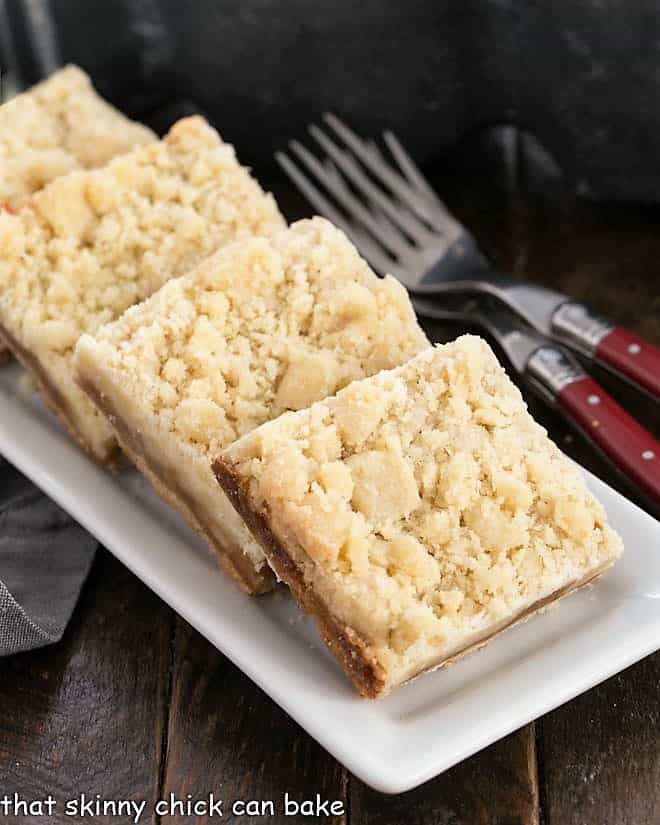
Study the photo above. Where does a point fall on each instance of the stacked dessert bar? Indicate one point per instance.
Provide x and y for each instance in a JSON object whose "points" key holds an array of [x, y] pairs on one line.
{"points": [[92, 243], [284, 399], [56, 127]]}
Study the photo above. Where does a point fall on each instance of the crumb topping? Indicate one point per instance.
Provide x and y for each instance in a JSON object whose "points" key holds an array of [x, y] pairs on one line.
{"points": [[92, 243], [57, 126], [262, 326]]}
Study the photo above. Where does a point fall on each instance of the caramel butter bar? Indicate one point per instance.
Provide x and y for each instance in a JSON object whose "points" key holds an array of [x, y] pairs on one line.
{"points": [[57, 126], [92, 243], [263, 326], [418, 513]]}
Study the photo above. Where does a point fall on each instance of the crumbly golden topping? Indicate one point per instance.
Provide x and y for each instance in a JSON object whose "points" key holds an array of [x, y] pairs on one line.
{"points": [[262, 326], [92, 243], [57, 126], [424, 504]]}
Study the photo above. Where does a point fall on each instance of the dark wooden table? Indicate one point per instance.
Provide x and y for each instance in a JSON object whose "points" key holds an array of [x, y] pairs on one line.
{"points": [[134, 704]]}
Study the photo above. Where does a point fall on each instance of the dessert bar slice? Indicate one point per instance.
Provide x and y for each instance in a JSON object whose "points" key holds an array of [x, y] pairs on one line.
{"points": [[418, 513], [57, 126], [263, 326], [92, 243]]}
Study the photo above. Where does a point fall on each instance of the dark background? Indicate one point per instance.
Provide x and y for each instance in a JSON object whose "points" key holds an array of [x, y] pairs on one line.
{"points": [[133, 703], [582, 75]]}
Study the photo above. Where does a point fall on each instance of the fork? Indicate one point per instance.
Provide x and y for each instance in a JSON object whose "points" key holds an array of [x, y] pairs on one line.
{"points": [[402, 227]]}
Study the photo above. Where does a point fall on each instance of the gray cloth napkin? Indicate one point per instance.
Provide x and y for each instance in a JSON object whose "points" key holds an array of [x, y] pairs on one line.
{"points": [[44, 560]]}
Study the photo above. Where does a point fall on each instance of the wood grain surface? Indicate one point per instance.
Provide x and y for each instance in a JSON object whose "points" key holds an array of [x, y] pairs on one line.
{"points": [[135, 704], [495, 787], [226, 736], [86, 715], [600, 756]]}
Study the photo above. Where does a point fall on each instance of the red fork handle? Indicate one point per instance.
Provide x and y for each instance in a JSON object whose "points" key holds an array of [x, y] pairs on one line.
{"points": [[632, 448], [632, 356]]}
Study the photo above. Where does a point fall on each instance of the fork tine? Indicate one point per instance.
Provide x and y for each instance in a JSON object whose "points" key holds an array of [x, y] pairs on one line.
{"points": [[367, 155], [386, 227], [414, 175], [394, 241], [421, 204], [369, 248], [312, 193], [410, 170], [378, 258], [408, 165], [399, 213]]}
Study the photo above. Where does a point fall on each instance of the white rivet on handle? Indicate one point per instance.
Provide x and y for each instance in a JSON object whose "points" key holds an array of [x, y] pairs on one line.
{"points": [[593, 400], [634, 349], [647, 455]]}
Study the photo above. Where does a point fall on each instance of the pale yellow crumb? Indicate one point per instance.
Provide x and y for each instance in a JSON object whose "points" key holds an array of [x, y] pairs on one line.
{"points": [[55, 127]]}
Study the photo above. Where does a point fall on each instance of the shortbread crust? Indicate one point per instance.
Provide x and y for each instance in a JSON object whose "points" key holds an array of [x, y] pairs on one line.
{"points": [[436, 514]]}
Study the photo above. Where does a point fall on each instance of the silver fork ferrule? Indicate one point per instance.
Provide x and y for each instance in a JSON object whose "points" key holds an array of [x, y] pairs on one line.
{"points": [[554, 368], [578, 325]]}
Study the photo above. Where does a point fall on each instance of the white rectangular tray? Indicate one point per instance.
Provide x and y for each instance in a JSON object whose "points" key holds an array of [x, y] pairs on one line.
{"points": [[425, 727]]}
